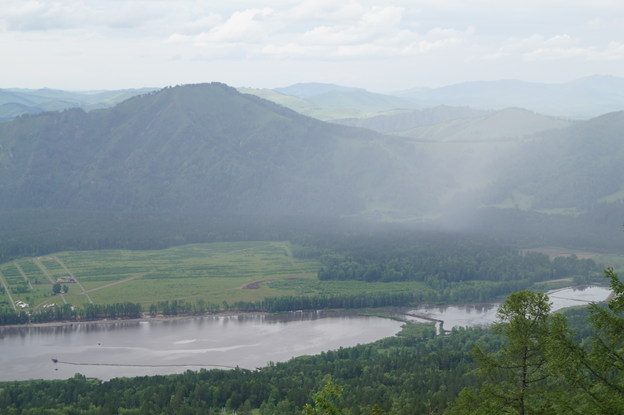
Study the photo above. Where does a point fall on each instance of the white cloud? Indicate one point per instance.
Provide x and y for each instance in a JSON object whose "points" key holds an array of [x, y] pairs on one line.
{"points": [[613, 52], [326, 11], [62, 15], [247, 27], [200, 25], [349, 31]]}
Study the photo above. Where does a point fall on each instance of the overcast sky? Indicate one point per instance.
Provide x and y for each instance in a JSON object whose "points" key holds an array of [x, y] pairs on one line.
{"points": [[379, 45]]}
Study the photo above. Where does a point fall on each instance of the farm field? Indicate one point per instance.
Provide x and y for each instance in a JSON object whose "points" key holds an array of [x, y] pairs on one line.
{"points": [[212, 272]]}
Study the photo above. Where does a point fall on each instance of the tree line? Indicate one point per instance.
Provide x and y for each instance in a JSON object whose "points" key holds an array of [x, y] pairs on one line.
{"points": [[433, 258]]}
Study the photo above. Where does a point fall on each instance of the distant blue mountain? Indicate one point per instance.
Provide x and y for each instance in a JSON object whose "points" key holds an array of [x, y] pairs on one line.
{"points": [[581, 98]]}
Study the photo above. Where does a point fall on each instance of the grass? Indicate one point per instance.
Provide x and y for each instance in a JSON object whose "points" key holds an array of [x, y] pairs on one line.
{"points": [[40, 292], [32, 271], [213, 272], [314, 286], [412, 329]]}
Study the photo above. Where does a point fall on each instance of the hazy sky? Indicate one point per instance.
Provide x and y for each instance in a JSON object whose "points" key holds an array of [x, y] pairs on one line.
{"points": [[378, 45]]}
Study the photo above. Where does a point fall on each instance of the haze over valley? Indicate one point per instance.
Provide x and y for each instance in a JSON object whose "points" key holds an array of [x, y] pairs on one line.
{"points": [[311, 207]]}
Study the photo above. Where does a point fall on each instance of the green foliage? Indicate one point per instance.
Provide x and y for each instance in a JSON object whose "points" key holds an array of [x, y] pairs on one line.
{"points": [[456, 267], [592, 369], [324, 401], [568, 363], [56, 287], [516, 374]]}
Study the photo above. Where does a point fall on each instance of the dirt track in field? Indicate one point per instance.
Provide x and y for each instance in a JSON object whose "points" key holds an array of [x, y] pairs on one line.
{"points": [[110, 285], [256, 284]]}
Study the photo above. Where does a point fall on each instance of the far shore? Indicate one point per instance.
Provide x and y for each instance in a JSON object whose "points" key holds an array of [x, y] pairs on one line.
{"points": [[161, 317], [132, 320]]}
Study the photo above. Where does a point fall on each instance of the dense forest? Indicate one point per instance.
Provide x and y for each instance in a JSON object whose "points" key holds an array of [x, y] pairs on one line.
{"points": [[435, 258], [35, 232]]}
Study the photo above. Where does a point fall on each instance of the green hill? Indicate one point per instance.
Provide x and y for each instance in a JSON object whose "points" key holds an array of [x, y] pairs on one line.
{"points": [[362, 101], [311, 109], [12, 110], [567, 168], [510, 123], [202, 148], [302, 106]]}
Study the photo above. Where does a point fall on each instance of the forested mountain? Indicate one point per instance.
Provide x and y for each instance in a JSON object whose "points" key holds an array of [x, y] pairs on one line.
{"points": [[203, 148], [580, 98], [567, 168], [208, 148]]}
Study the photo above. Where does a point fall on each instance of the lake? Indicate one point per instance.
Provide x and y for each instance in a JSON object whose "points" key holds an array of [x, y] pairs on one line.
{"points": [[247, 341], [484, 314]]}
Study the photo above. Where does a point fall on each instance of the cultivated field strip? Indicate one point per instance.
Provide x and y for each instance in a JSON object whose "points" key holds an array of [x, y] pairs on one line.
{"points": [[213, 272], [33, 272], [72, 275], [8, 292], [23, 275], [49, 277]]}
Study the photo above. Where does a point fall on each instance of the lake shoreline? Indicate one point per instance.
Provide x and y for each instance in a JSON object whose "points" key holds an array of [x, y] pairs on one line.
{"points": [[161, 318], [131, 320]]}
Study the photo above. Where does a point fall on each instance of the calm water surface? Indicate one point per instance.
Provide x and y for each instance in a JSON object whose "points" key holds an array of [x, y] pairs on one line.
{"points": [[484, 314], [246, 341]]}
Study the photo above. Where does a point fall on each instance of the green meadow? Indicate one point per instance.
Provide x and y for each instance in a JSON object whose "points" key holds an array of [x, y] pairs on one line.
{"points": [[213, 272]]}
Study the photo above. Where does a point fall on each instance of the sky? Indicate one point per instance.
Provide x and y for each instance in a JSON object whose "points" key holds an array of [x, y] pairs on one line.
{"points": [[382, 46]]}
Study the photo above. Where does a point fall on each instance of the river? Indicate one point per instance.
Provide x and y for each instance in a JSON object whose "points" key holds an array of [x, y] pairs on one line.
{"points": [[247, 341]]}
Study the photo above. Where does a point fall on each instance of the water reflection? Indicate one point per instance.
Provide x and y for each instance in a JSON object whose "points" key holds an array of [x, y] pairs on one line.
{"points": [[485, 314], [248, 341]]}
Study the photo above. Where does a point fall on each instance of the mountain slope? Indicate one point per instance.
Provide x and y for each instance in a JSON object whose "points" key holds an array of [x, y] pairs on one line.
{"points": [[203, 148], [406, 120], [302, 106], [510, 123], [210, 149], [568, 168]]}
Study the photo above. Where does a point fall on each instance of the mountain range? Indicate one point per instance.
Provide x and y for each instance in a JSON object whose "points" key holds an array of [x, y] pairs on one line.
{"points": [[209, 148], [16, 101], [581, 98]]}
